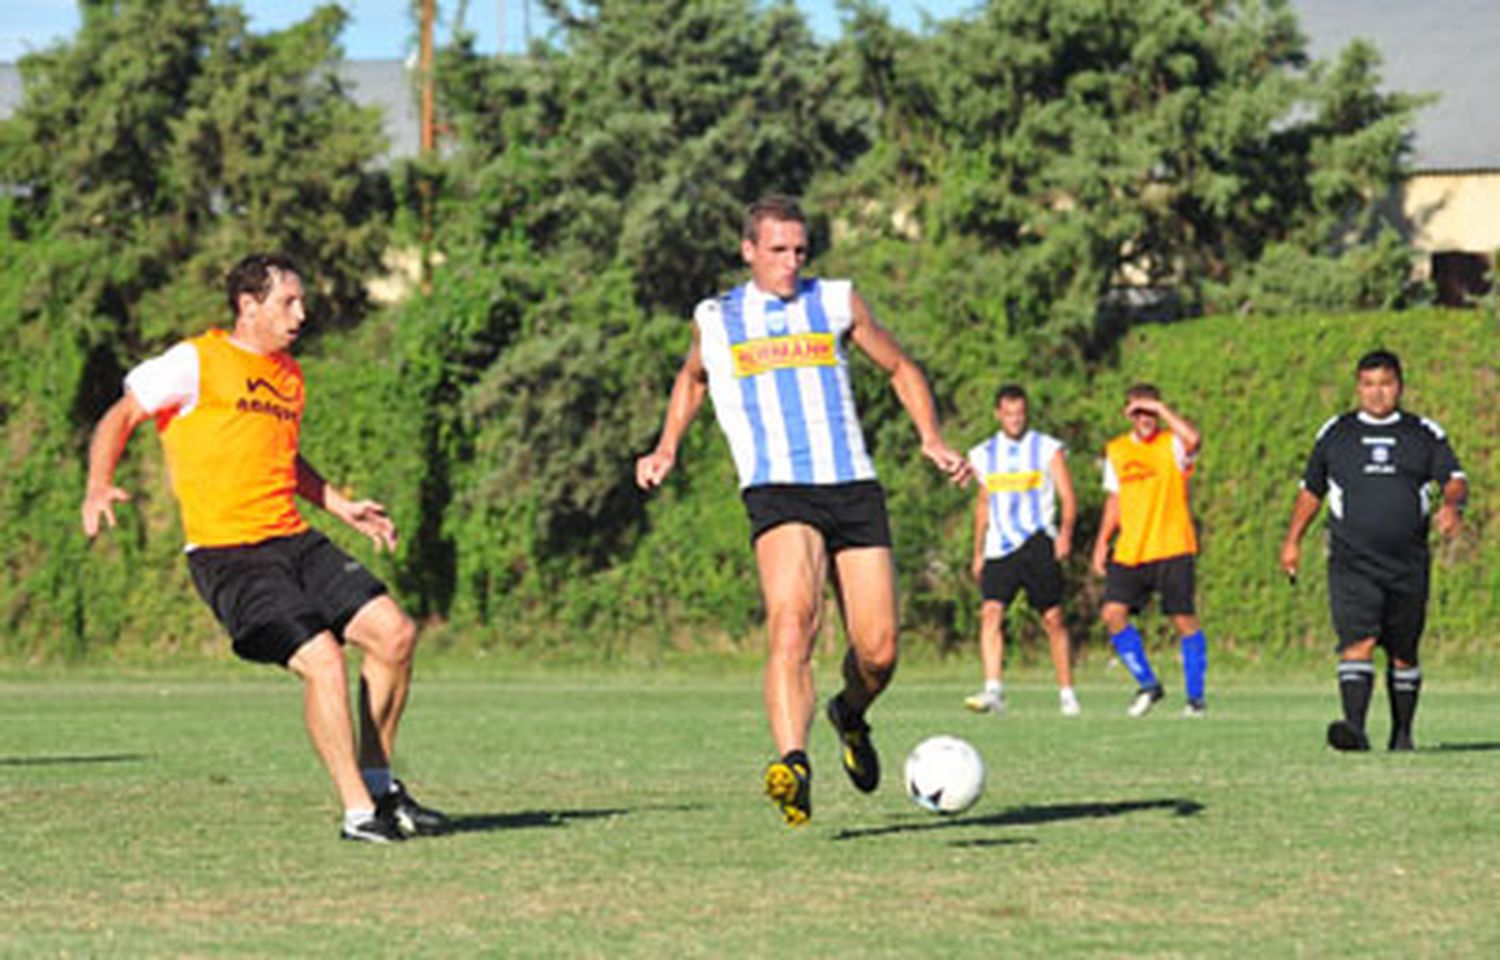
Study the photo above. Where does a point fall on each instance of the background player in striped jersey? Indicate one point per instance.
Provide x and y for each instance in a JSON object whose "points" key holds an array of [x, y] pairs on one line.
{"points": [[1146, 475], [1377, 467], [1017, 543], [772, 353], [228, 406]]}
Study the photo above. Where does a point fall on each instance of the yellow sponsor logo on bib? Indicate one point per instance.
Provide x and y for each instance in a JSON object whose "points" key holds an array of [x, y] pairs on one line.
{"points": [[1013, 482], [783, 353]]}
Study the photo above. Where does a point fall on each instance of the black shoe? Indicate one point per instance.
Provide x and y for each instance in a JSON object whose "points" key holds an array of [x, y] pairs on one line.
{"points": [[789, 785], [1401, 742], [379, 828], [1343, 735], [410, 817], [861, 761]]}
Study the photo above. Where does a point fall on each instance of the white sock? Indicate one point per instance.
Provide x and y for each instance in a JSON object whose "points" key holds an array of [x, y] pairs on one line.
{"points": [[353, 818], [995, 687], [377, 781]]}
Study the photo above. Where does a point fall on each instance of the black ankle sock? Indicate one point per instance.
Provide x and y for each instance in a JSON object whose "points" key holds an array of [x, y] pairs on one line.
{"points": [[794, 757]]}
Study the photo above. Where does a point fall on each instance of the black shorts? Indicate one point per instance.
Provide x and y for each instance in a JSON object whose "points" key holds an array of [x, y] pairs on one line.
{"points": [[846, 514], [276, 595], [1034, 566], [1392, 609], [1173, 578]]}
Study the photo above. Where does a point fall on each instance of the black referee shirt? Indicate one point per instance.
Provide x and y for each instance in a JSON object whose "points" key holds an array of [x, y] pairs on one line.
{"points": [[1377, 477]]}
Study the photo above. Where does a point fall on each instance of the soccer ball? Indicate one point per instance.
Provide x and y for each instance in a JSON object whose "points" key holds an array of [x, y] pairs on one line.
{"points": [[944, 775]]}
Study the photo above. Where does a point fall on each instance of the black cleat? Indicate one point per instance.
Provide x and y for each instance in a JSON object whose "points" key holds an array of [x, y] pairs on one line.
{"points": [[789, 785], [409, 816], [861, 761], [1345, 736], [377, 829]]}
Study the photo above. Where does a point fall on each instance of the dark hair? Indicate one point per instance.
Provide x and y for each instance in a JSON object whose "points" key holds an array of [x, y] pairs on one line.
{"points": [[255, 275], [1142, 391], [1011, 391], [774, 206], [1380, 360]]}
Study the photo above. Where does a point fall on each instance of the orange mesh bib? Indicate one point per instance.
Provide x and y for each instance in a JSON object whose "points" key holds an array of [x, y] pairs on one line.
{"points": [[1154, 520], [233, 456]]}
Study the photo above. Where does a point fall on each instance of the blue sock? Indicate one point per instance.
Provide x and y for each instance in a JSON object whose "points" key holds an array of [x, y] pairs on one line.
{"points": [[1133, 654], [1195, 663]]}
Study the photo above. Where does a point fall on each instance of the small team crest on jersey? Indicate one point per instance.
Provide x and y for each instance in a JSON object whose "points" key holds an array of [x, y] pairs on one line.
{"points": [[776, 318], [783, 353], [1380, 454]]}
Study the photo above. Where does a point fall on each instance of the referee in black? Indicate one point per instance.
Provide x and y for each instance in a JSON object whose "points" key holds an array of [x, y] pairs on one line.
{"points": [[1377, 467]]}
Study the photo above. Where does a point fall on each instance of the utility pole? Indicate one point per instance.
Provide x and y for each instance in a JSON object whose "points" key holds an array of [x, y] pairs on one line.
{"points": [[429, 141]]}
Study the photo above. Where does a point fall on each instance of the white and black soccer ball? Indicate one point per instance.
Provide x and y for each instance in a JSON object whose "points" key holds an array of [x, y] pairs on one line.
{"points": [[944, 775]]}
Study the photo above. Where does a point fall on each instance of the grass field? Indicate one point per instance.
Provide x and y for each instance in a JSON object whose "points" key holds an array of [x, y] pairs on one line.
{"points": [[618, 814]]}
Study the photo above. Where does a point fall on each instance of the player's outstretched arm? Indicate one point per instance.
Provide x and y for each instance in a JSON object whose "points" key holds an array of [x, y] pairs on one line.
{"points": [[106, 447], [1303, 512], [911, 389], [366, 516], [688, 391]]}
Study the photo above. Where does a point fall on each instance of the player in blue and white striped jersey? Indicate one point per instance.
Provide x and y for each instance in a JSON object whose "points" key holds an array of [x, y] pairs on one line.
{"points": [[1023, 474], [772, 353]]}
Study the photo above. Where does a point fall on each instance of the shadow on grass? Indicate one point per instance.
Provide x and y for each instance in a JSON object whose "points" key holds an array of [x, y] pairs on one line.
{"points": [[1464, 747], [1031, 816], [525, 819], [59, 761]]}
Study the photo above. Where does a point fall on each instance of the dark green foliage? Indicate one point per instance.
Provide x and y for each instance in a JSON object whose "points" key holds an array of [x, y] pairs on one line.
{"points": [[158, 147]]}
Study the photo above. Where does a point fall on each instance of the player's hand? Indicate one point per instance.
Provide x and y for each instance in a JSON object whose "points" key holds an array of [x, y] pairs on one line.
{"points": [[370, 519], [957, 466], [1448, 520], [1149, 405], [1097, 562], [99, 504], [653, 468], [1062, 547], [1291, 555], [977, 568]]}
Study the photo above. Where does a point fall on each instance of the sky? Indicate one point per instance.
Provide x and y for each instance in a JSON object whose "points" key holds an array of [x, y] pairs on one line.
{"points": [[381, 29]]}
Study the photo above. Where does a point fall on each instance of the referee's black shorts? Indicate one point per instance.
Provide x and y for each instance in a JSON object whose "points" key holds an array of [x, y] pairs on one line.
{"points": [[1032, 566], [1392, 608], [846, 514], [276, 595]]}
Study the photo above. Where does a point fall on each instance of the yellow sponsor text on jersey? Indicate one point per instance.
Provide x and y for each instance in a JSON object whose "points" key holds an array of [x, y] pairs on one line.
{"points": [[783, 353], [1013, 482]]}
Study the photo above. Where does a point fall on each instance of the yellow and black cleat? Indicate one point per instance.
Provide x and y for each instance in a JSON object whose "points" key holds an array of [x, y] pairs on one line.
{"points": [[789, 785], [861, 761]]}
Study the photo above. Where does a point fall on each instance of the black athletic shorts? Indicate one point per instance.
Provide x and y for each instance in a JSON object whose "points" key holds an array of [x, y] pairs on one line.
{"points": [[1034, 566], [276, 595], [1392, 609], [846, 514], [1173, 578]]}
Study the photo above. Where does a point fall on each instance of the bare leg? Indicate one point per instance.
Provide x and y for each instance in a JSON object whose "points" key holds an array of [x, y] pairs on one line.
{"points": [[320, 664], [793, 569], [388, 638], [1060, 646], [867, 597], [992, 639]]}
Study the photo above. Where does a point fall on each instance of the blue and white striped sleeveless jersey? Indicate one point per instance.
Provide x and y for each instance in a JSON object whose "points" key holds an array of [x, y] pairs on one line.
{"points": [[779, 379], [1023, 499]]}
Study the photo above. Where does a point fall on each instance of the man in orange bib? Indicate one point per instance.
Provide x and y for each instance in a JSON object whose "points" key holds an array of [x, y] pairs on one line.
{"points": [[228, 407], [1146, 475]]}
